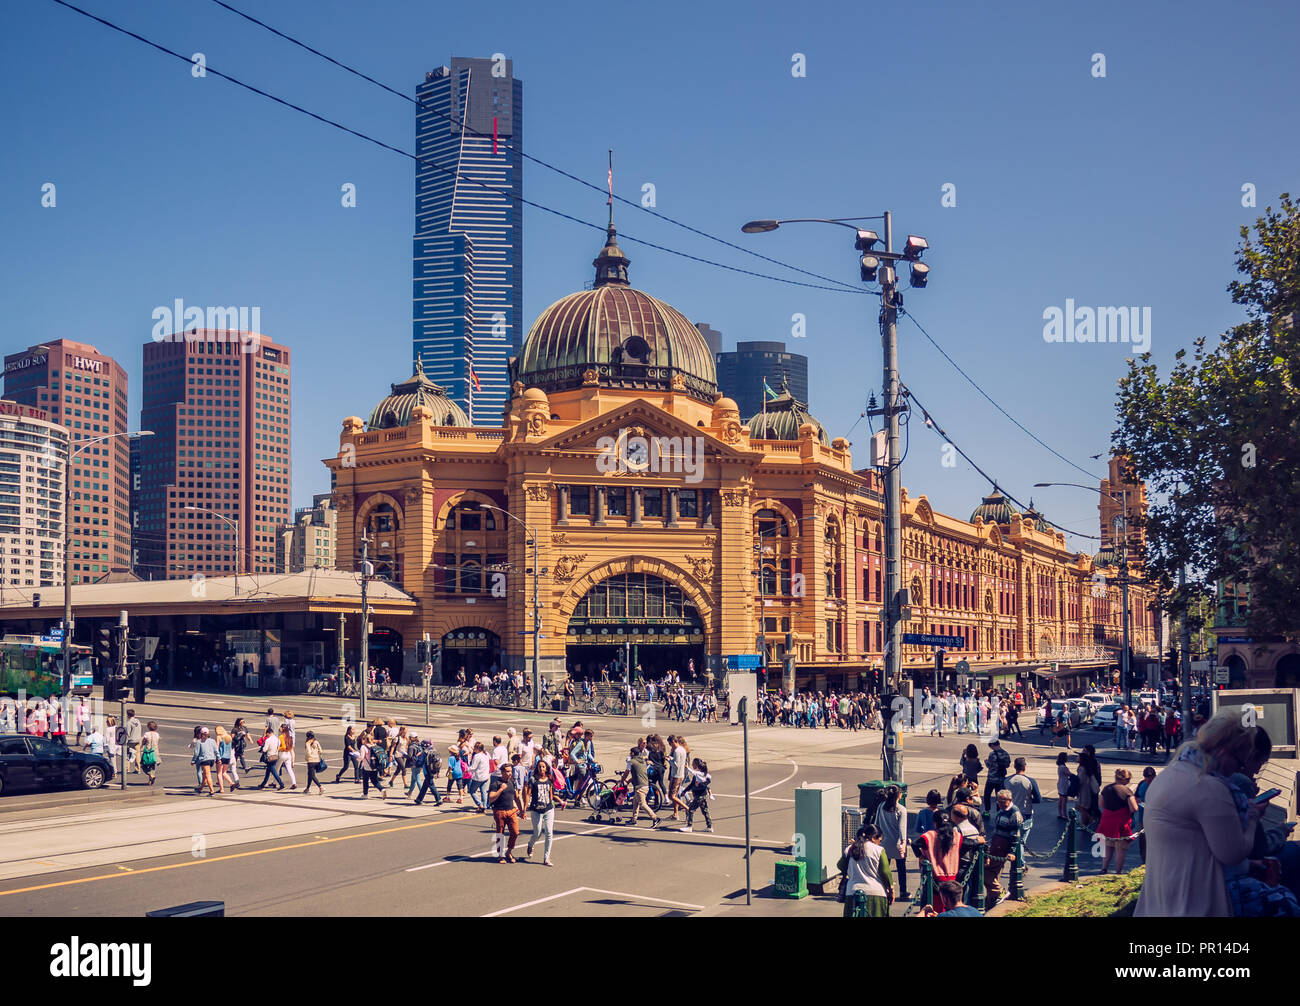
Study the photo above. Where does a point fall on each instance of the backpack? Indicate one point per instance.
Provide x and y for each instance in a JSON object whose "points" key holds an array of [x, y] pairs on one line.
{"points": [[1073, 789], [378, 757], [415, 757], [433, 761]]}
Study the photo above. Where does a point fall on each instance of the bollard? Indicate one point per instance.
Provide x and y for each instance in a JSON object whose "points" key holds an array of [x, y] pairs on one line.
{"points": [[1072, 848], [926, 891], [1017, 872], [978, 869]]}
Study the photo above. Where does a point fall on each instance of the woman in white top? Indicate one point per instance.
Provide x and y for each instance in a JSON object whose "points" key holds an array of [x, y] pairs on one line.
{"points": [[866, 869], [479, 773]]}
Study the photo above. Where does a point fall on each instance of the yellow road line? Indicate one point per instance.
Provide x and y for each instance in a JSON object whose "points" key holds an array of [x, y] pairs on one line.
{"points": [[234, 855]]}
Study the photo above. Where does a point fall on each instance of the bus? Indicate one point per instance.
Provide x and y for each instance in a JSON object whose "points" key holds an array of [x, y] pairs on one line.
{"points": [[33, 664]]}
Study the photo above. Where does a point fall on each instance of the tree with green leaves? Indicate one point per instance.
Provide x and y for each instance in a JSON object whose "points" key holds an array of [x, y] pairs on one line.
{"points": [[1218, 440]]}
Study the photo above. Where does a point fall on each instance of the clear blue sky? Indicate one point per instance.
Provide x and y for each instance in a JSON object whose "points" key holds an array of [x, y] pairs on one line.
{"points": [[1117, 191]]}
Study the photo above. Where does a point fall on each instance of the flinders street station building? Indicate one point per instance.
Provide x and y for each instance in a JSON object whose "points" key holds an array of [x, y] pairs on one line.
{"points": [[671, 532]]}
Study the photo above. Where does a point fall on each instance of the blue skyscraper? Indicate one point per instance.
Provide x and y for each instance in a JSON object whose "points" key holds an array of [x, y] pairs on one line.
{"points": [[468, 289]]}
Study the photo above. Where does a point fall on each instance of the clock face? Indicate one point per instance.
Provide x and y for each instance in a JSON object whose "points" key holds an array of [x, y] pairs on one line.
{"points": [[634, 452]]}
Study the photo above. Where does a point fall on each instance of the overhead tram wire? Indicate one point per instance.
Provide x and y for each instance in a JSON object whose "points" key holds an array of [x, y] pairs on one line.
{"points": [[984, 394], [425, 161], [461, 124], [933, 423]]}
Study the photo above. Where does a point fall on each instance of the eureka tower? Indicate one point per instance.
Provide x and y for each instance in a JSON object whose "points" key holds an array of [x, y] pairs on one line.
{"points": [[468, 248]]}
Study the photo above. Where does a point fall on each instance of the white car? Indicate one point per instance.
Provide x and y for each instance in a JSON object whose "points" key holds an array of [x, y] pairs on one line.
{"points": [[1099, 699], [1148, 698], [1104, 718]]}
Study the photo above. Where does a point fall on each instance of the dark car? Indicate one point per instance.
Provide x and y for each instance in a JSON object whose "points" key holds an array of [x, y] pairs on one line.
{"points": [[36, 763]]}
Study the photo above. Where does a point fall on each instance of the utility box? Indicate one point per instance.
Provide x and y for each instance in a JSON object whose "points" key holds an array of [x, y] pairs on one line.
{"points": [[817, 830], [790, 880]]}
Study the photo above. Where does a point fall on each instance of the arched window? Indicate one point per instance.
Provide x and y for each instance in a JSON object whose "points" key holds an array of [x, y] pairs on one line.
{"points": [[469, 516], [768, 524], [471, 577]]}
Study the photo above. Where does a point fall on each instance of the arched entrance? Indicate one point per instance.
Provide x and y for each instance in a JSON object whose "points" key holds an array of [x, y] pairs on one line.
{"points": [[632, 619], [1236, 671], [1288, 672], [471, 648]]}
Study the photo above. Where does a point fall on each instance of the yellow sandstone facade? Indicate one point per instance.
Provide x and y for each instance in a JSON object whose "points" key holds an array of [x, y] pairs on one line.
{"points": [[653, 500]]}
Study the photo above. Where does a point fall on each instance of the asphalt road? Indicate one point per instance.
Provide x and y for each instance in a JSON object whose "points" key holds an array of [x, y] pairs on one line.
{"points": [[291, 854]]}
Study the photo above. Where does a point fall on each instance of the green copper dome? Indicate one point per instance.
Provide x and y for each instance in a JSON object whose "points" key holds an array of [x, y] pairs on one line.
{"points": [[782, 419], [1034, 517], [613, 336], [1106, 557], [395, 410], [994, 509]]}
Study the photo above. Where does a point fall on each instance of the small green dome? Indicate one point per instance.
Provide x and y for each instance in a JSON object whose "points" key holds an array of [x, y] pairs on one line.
{"points": [[994, 509], [782, 419], [1034, 517], [396, 409], [1106, 557]]}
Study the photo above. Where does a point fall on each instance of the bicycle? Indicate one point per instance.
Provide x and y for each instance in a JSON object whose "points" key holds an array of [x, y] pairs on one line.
{"points": [[589, 790]]}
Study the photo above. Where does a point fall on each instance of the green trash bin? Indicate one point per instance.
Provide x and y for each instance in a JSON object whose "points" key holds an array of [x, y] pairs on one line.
{"points": [[791, 879], [872, 794]]}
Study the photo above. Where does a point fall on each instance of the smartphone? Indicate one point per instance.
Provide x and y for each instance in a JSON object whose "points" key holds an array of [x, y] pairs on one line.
{"points": [[1267, 795]]}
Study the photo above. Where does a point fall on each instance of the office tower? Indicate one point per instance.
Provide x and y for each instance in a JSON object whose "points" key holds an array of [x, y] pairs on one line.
{"points": [[33, 460], [741, 374], [468, 248], [218, 403], [85, 392], [308, 543], [712, 337]]}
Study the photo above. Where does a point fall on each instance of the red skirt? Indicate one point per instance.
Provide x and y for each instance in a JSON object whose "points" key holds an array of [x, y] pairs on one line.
{"points": [[1116, 823]]}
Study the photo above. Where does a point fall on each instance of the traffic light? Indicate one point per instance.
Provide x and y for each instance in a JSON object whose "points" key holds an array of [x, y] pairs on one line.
{"points": [[139, 682], [421, 652], [435, 651], [104, 647], [114, 688], [1171, 662]]}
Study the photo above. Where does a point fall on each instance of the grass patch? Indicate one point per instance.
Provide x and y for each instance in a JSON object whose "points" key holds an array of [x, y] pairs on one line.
{"points": [[1094, 898]]}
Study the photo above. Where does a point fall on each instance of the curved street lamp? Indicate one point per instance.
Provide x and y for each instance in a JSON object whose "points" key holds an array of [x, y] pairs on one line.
{"points": [[67, 543]]}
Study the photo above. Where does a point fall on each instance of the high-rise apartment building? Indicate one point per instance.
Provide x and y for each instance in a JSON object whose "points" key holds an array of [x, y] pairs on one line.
{"points": [[308, 543], [33, 460], [214, 477], [467, 272], [84, 391], [741, 374]]}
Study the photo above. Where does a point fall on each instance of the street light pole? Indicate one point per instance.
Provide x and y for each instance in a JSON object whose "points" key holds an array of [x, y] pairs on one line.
{"points": [[234, 523], [889, 299], [881, 265], [67, 546], [363, 662]]}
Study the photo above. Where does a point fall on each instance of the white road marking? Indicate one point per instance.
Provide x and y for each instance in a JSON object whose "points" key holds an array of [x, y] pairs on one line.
{"points": [[741, 796], [593, 890], [479, 855], [755, 792]]}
